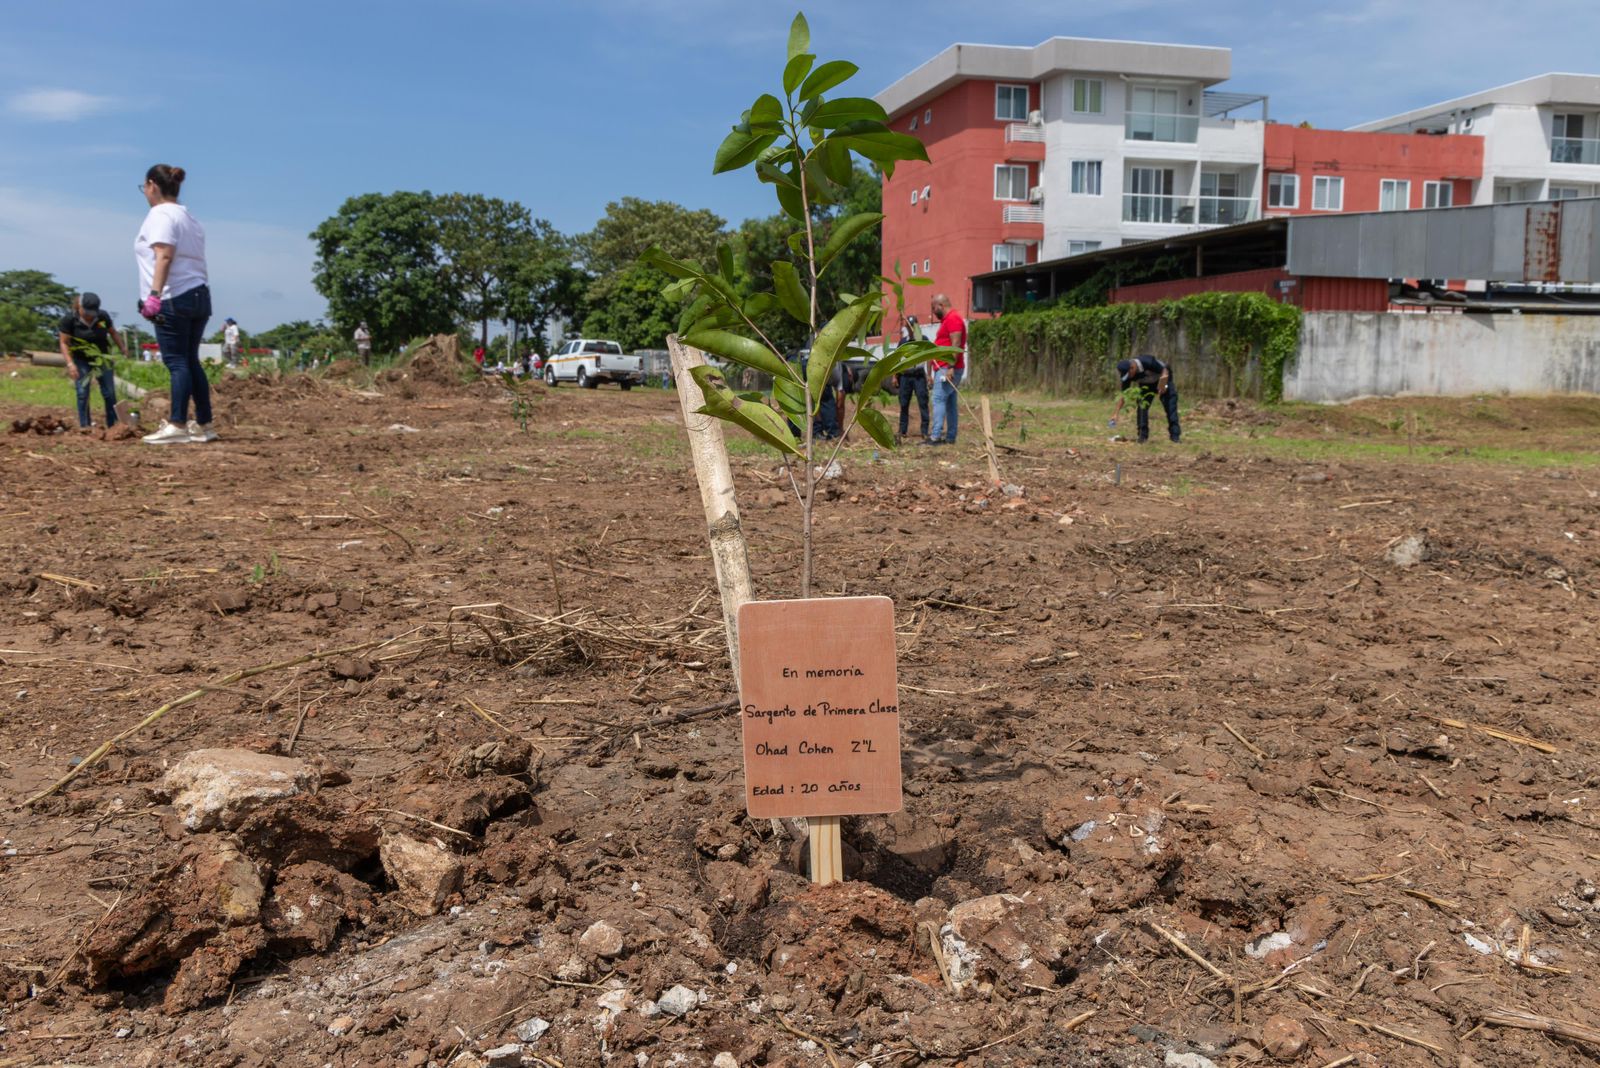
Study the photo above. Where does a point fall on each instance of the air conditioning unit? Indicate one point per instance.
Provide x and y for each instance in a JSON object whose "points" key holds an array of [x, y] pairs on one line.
{"points": [[1035, 118], [1036, 194]]}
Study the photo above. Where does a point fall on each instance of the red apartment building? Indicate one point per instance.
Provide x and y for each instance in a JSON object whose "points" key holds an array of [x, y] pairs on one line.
{"points": [[1339, 170]]}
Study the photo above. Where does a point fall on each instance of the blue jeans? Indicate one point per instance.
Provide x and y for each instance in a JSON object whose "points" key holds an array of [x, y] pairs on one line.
{"points": [[179, 328], [108, 389], [946, 404]]}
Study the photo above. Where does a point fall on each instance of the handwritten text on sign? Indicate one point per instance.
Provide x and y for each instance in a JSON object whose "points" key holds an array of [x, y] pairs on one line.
{"points": [[820, 707]]}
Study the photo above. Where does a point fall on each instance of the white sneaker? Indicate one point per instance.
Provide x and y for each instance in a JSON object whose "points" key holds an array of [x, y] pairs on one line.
{"points": [[169, 434], [200, 434]]}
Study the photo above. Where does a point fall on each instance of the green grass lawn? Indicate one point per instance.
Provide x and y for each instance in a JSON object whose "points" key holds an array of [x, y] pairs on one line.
{"points": [[48, 386]]}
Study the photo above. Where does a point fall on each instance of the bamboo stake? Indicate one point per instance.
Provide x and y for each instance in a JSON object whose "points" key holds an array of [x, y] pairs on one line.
{"points": [[728, 552], [988, 440], [1548, 1024]]}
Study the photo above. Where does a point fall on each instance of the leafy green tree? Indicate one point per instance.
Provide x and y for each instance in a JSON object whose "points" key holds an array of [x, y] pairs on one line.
{"points": [[288, 336], [482, 239], [803, 146], [41, 296], [543, 283], [611, 254], [379, 260], [20, 330]]}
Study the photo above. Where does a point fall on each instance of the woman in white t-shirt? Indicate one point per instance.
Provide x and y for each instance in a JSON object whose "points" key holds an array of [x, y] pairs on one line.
{"points": [[171, 252]]}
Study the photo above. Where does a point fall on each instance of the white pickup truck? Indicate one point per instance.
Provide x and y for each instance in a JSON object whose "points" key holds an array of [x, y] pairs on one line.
{"points": [[589, 362]]}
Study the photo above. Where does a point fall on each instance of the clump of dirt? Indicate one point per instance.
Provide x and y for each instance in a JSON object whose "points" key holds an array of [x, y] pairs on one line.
{"points": [[40, 424], [437, 362]]}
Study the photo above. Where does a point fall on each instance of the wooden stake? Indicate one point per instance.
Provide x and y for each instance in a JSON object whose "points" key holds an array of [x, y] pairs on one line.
{"points": [[729, 555], [988, 440]]}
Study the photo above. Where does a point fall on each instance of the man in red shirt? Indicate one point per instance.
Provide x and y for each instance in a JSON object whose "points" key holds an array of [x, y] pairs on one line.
{"points": [[947, 375]]}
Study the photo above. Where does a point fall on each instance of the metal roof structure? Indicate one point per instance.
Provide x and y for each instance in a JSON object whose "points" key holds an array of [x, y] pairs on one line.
{"points": [[1542, 241]]}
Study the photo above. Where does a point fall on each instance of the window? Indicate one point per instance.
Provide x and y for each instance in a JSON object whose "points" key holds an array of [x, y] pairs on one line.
{"points": [[913, 196], [927, 117], [1010, 255], [927, 192], [913, 122], [1088, 96], [1436, 194], [1086, 177], [913, 268], [1010, 182], [1568, 144], [1564, 192], [1078, 248], [1283, 190], [1394, 194], [1011, 103], [1153, 116], [1327, 194], [927, 266], [1149, 198]]}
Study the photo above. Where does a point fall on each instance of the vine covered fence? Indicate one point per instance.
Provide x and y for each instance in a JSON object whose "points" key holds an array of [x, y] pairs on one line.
{"points": [[1221, 344]]}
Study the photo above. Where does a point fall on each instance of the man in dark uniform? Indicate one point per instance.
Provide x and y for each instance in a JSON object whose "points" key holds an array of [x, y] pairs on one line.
{"points": [[1153, 379], [86, 336]]}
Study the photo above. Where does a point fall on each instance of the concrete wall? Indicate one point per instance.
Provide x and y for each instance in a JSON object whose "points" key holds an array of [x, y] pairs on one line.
{"points": [[1344, 356]]}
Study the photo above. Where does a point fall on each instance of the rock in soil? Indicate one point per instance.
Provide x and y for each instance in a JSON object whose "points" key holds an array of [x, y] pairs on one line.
{"points": [[424, 873], [1284, 1038], [601, 940], [218, 788]]}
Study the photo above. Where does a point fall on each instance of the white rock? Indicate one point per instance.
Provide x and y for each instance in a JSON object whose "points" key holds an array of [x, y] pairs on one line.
{"points": [[724, 1060], [218, 788], [510, 1053], [601, 939], [679, 1001], [530, 1030], [615, 1002], [342, 1026], [424, 873], [1188, 1060], [1268, 944]]}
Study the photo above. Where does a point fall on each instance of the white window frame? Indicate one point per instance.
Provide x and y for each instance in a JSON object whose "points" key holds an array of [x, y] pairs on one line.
{"points": [[1566, 192], [927, 117], [914, 192], [1008, 89], [1093, 96], [1276, 182], [1014, 252], [1083, 170], [1329, 189], [1078, 248], [913, 122], [1010, 167], [1431, 194], [1388, 186], [927, 266], [913, 268]]}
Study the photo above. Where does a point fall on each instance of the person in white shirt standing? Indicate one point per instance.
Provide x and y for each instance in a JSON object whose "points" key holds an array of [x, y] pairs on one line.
{"points": [[364, 342], [171, 253], [230, 341]]}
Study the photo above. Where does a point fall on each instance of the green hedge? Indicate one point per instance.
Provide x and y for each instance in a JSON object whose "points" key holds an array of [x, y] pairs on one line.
{"points": [[1222, 344]]}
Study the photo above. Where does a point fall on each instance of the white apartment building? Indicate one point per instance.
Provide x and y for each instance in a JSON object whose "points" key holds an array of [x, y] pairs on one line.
{"points": [[1541, 136]]}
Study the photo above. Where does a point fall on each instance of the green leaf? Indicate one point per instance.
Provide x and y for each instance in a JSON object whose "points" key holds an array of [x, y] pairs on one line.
{"points": [[739, 349], [845, 231], [791, 294], [919, 280], [795, 71], [880, 144], [654, 257], [799, 35], [835, 162], [831, 340], [679, 289], [770, 172], [761, 421], [901, 359], [791, 397], [740, 148], [876, 426], [725, 260], [818, 184], [790, 201], [826, 77], [691, 314], [758, 304], [766, 109], [849, 109]]}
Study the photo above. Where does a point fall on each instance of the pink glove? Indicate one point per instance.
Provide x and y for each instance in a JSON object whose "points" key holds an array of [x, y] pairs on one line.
{"points": [[150, 306]]}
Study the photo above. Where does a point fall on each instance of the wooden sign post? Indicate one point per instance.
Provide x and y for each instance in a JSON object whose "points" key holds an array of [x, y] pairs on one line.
{"points": [[819, 703]]}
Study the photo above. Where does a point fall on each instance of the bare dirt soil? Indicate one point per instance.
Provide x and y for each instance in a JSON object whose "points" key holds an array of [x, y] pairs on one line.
{"points": [[1241, 760]]}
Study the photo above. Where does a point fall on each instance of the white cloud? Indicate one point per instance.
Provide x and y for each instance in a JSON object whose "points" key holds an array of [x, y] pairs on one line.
{"points": [[260, 274], [57, 105]]}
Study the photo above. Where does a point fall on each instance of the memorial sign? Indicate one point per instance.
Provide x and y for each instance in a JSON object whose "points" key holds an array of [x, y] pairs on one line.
{"points": [[819, 706]]}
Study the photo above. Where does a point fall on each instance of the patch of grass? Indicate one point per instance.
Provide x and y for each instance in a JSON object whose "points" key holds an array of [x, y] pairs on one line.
{"points": [[47, 386]]}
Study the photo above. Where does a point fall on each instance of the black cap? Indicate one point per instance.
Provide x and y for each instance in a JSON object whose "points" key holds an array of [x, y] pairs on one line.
{"points": [[1123, 367], [229, 319], [89, 301]]}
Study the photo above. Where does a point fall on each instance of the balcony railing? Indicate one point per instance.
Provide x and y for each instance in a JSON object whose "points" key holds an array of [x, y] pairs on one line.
{"points": [[1188, 211], [1153, 126], [1022, 131], [1575, 150], [1022, 213]]}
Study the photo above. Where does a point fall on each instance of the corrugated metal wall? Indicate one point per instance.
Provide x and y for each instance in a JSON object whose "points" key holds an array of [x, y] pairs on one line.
{"points": [[1342, 294], [1311, 294]]}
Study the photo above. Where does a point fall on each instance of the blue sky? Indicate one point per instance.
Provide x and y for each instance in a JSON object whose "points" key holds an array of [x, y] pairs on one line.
{"points": [[280, 111]]}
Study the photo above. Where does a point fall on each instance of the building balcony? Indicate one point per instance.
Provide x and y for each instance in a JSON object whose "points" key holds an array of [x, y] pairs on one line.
{"points": [[1188, 211], [1155, 126], [1024, 143], [1022, 224], [1575, 150], [1022, 213]]}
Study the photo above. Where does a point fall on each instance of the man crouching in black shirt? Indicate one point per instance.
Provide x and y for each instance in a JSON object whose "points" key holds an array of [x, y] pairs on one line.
{"points": [[1154, 379]]}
